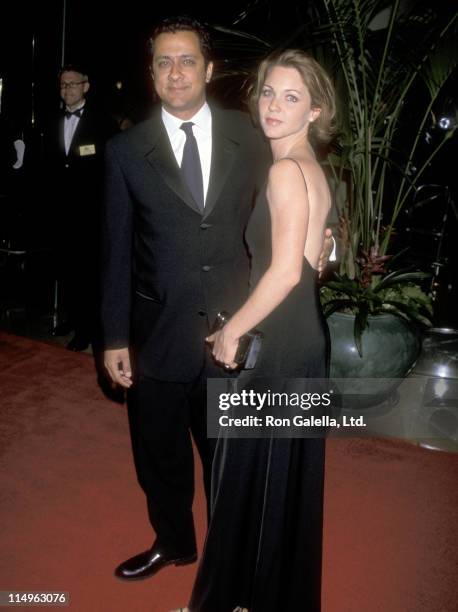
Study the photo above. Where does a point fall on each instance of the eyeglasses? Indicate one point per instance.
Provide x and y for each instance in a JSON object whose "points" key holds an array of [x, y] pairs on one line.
{"points": [[71, 84]]}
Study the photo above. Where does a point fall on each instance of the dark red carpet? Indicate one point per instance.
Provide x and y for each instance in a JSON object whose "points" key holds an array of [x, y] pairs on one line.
{"points": [[71, 509]]}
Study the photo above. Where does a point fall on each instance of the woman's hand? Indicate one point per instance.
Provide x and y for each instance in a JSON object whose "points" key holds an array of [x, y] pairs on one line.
{"points": [[224, 347]]}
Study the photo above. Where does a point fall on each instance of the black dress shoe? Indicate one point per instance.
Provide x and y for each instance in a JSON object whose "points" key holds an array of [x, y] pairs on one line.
{"points": [[78, 343], [63, 329], [149, 562]]}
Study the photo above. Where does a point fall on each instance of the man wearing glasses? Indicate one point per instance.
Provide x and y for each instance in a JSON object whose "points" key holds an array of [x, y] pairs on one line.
{"points": [[74, 155]]}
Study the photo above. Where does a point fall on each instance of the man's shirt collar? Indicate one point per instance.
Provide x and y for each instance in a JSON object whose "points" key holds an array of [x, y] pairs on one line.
{"points": [[202, 119]]}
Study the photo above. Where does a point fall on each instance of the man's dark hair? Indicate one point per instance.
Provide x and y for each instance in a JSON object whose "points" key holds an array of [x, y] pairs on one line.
{"points": [[183, 23], [73, 68]]}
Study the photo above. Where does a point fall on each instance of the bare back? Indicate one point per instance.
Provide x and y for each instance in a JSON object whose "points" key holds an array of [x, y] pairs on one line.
{"points": [[316, 192]]}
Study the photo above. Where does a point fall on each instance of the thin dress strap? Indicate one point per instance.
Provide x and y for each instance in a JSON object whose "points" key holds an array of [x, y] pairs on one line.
{"points": [[305, 183], [300, 168]]}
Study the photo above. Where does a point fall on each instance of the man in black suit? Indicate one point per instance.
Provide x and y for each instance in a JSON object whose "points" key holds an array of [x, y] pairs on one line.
{"points": [[173, 256], [74, 147]]}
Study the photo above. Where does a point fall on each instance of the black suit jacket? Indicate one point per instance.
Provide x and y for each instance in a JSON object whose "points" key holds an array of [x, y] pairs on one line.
{"points": [[75, 181], [168, 269]]}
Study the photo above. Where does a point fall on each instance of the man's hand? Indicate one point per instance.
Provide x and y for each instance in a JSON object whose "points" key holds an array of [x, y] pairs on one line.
{"points": [[328, 246], [117, 364]]}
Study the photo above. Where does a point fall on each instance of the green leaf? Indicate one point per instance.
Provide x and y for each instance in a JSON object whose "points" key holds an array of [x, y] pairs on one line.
{"points": [[398, 277], [360, 326], [337, 305], [406, 311]]}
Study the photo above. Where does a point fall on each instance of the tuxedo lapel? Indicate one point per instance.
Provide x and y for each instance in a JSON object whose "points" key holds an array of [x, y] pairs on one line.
{"points": [[77, 135], [159, 154], [85, 131], [224, 152], [79, 131]]}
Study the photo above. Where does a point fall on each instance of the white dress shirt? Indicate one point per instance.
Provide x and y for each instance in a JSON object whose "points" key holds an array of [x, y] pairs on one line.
{"points": [[202, 130], [70, 125]]}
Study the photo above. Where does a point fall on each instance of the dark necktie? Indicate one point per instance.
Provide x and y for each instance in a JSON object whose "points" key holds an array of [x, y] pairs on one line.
{"points": [[190, 166], [76, 113]]}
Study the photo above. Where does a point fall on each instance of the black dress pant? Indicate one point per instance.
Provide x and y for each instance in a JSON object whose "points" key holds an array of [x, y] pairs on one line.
{"points": [[162, 416]]}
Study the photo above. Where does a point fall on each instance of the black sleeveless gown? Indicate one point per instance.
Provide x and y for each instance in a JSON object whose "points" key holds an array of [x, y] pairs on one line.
{"points": [[264, 545]]}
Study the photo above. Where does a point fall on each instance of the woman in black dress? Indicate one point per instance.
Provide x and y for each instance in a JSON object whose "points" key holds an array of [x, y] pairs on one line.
{"points": [[263, 548]]}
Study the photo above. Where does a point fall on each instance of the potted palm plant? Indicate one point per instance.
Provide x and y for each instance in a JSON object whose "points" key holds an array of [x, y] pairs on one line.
{"points": [[389, 91]]}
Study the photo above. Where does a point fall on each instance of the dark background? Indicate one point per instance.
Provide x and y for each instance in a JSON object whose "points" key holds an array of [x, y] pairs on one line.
{"points": [[109, 40]]}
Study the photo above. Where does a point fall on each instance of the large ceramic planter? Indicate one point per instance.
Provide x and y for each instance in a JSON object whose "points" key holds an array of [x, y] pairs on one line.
{"points": [[390, 348]]}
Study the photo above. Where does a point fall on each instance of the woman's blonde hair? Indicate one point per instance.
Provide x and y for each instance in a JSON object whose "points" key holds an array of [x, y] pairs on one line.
{"points": [[315, 79]]}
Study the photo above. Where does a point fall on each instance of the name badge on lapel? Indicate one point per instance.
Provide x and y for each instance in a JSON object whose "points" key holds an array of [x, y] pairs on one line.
{"points": [[87, 150]]}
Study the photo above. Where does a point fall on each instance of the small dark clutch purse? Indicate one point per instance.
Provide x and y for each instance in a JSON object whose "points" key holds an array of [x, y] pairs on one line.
{"points": [[249, 344]]}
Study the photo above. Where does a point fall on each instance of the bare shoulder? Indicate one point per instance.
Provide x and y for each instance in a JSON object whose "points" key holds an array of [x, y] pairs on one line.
{"points": [[290, 168], [291, 172], [286, 188], [285, 175], [299, 178], [285, 168]]}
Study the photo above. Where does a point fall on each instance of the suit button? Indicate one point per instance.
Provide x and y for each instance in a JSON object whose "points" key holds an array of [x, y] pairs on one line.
{"points": [[202, 313], [205, 225], [206, 268]]}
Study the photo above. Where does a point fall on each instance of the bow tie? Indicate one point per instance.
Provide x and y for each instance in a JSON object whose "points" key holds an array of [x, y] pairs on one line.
{"points": [[76, 113]]}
